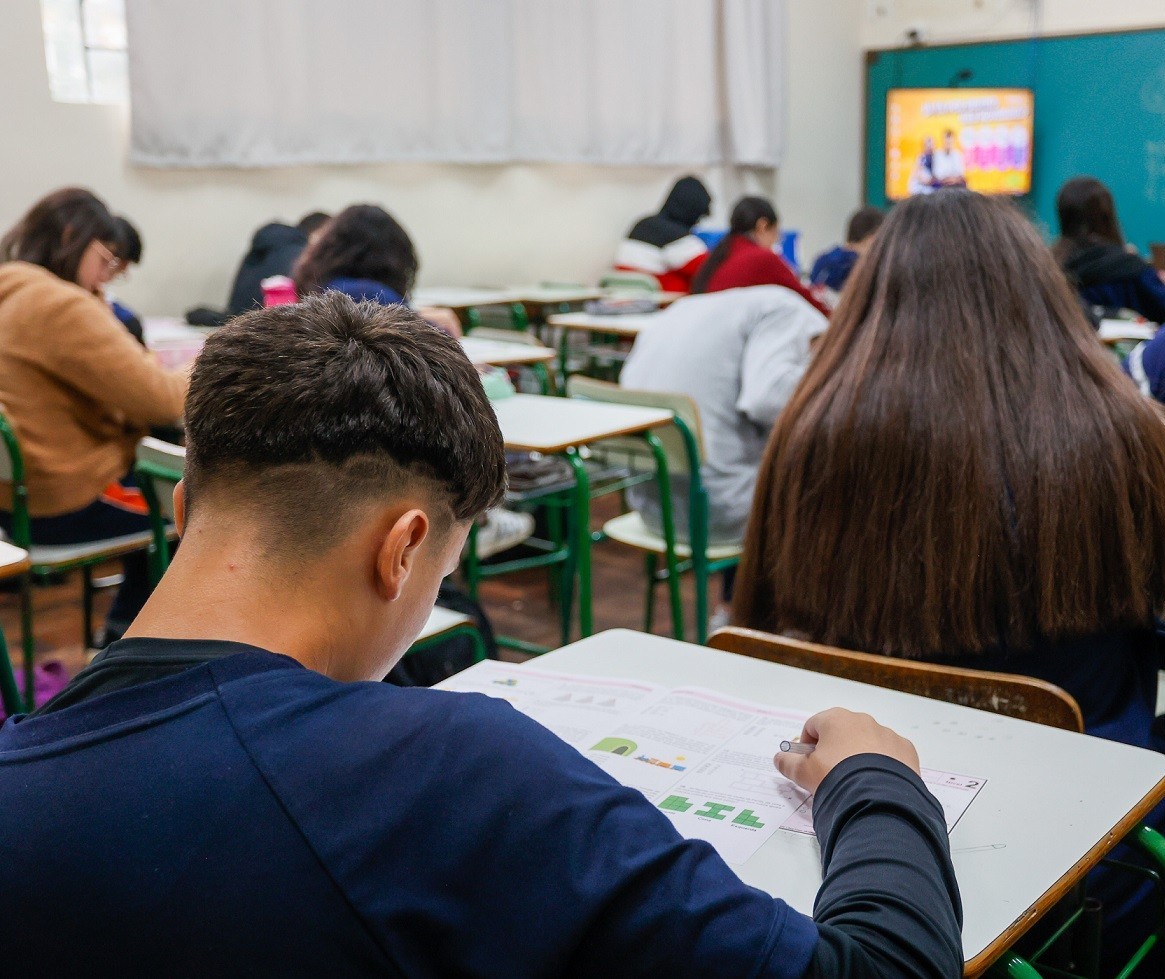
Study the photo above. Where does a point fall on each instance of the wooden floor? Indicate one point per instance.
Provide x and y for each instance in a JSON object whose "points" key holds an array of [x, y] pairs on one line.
{"points": [[518, 605]]}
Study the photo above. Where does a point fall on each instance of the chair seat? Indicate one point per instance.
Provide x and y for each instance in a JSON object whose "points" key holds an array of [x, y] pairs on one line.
{"points": [[61, 555], [631, 530]]}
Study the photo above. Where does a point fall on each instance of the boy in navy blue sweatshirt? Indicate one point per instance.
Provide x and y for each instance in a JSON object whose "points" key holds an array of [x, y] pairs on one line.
{"points": [[223, 793]]}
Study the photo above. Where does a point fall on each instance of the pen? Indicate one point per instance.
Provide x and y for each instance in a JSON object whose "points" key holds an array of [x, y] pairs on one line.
{"points": [[796, 747]]}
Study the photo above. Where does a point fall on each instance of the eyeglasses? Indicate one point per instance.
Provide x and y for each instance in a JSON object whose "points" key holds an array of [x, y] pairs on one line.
{"points": [[113, 262]]}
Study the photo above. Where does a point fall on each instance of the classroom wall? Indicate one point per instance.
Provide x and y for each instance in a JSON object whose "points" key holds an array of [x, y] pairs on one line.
{"points": [[472, 225], [886, 22]]}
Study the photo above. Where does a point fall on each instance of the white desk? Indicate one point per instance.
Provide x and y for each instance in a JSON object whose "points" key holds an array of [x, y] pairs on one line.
{"points": [[1120, 331], [174, 342], [552, 295], [460, 298], [535, 423], [500, 353], [1053, 801], [629, 325]]}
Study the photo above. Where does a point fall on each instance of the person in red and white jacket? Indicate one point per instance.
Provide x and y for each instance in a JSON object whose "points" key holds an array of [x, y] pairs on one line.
{"points": [[663, 245]]}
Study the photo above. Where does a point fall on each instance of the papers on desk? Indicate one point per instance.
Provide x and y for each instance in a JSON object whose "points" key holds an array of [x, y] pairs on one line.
{"points": [[703, 758]]}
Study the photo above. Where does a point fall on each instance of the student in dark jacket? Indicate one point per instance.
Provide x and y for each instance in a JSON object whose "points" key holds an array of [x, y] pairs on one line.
{"points": [[253, 806], [662, 245], [274, 251], [918, 498], [833, 267], [745, 256], [1092, 252]]}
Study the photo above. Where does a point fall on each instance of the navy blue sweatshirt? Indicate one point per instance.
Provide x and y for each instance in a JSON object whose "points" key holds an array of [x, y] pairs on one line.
{"points": [[201, 808]]}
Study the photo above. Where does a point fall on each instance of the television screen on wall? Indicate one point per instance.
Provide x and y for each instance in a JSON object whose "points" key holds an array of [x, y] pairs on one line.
{"points": [[979, 138]]}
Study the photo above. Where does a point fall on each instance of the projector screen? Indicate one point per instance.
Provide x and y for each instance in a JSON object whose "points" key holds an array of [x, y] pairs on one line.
{"points": [[979, 138]]}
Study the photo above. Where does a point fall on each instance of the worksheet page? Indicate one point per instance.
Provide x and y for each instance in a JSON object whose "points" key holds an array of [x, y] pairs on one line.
{"points": [[703, 758]]}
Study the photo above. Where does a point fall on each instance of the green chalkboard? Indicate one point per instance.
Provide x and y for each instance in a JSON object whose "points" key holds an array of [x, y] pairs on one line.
{"points": [[1099, 110]]}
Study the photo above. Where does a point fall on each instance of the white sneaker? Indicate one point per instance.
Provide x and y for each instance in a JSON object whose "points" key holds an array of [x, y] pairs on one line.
{"points": [[501, 530]]}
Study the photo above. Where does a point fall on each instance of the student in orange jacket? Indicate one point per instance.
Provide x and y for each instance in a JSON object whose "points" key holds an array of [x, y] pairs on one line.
{"points": [[77, 389]]}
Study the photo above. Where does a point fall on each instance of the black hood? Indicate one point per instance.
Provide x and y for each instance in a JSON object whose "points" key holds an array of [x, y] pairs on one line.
{"points": [[1097, 264], [687, 202], [273, 236]]}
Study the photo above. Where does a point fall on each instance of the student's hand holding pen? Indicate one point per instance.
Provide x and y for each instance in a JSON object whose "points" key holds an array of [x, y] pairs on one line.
{"points": [[835, 735]]}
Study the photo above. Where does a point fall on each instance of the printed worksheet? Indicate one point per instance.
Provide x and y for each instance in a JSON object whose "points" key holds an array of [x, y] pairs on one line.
{"points": [[703, 758]]}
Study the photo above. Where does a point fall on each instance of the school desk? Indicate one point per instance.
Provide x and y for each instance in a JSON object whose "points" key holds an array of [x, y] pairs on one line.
{"points": [[560, 426], [1053, 803]]}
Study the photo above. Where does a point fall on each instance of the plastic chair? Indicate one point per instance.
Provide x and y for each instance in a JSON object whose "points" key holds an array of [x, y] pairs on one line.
{"points": [[507, 316], [159, 469], [525, 338], [52, 559], [15, 563], [677, 450], [1008, 694]]}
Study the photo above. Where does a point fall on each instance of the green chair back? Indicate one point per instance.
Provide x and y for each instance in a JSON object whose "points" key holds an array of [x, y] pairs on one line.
{"points": [[12, 471], [159, 469], [683, 445]]}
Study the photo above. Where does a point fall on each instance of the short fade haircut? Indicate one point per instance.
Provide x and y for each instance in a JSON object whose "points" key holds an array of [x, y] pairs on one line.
{"points": [[304, 413], [863, 223]]}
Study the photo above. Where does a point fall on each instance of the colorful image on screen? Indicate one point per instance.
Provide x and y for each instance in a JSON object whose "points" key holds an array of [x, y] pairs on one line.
{"points": [[979, 138]]}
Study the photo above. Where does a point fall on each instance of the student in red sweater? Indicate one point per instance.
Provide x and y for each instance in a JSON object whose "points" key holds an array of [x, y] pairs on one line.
{"points": [[745, 256]]}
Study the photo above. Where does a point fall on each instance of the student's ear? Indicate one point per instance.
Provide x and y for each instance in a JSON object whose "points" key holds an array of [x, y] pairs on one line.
{"points": [[180, 508], [398, 552]]}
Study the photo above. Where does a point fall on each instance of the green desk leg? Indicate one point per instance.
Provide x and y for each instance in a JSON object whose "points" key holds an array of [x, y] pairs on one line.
{"points": [[582, 540], [9, 694]]}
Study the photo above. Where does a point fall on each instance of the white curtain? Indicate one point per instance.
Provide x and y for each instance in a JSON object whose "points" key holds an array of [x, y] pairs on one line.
{"points": [[257, 83]]}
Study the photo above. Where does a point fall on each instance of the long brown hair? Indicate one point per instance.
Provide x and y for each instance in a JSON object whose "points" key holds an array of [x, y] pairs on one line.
{"points": [[57, 229], [963, 466]]}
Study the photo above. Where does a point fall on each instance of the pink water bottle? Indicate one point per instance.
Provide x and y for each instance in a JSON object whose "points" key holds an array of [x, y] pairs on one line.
{"points": [[278, 290]]}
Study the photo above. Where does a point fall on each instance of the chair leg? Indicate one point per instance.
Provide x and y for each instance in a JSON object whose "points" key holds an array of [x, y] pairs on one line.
{"points": [[87, 607], [9, 694], [472, 565], [652, 563], [28, 641], [700, 573]]}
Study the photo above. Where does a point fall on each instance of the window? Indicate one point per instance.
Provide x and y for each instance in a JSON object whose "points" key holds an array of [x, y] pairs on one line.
{"points": [[84, 43]]}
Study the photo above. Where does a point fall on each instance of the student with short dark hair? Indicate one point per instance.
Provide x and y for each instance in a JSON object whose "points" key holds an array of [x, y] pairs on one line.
{"points": [[223, 790], [833, 267], [745, 257], [77, 389], [662, 245], [1092, 252], [366, 254]]}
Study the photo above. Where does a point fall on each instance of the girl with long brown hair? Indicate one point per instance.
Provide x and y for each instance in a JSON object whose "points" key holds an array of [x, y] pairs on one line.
{"points": [[965, 475]]}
